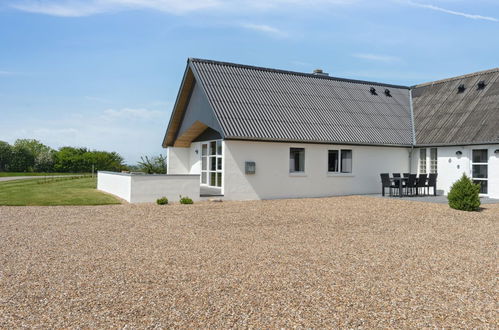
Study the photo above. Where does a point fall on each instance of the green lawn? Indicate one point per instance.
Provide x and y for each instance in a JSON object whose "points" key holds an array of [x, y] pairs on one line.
{"points": [[4, 174], [81, 191]]}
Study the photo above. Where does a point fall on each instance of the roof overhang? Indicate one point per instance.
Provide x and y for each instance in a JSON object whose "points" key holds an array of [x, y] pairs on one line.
{"points": [[179, 107]]}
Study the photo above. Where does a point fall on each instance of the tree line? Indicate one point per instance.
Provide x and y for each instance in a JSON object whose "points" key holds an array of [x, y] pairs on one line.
{"points": [[28, 155]]}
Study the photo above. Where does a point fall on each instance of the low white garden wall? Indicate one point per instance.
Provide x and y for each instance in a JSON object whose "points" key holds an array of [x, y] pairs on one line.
{"points": [[143, 188]]}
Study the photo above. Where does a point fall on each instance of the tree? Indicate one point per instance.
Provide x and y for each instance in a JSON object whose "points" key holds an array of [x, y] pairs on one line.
{"points": [[69, 159], [22, 160], [43, 155], [153, 165], [5, 155]]}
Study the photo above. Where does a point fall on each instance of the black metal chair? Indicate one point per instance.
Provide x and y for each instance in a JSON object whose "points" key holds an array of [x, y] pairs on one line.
{"points": [[386, 183], [421, 183], [398, 182], [432, 183], [406, 175], [410, 185]]}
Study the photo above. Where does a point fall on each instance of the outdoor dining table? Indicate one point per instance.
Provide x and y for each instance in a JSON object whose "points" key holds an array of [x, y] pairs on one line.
{"points": [[400, 180]]}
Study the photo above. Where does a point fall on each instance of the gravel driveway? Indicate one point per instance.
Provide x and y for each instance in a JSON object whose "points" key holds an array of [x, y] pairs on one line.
{"points": [[331, 262]]}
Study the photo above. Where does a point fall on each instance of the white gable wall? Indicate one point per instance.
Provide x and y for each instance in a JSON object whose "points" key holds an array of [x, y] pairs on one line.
{"points": [[273, 180]]}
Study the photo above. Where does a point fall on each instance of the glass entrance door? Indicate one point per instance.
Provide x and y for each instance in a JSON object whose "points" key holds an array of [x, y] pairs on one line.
{"points": [[479, 169], [211, 163]]}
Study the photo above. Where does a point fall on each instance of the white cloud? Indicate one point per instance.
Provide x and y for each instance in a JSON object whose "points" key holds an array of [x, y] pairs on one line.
{"points": [[452, 12], [265, 29], [377, 57], [128, 113], [77, 8]]}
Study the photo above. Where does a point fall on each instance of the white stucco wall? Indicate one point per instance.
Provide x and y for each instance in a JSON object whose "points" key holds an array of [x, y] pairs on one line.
{"points": [[451, 166], [184, 160], [273, 180], [115, 183], [148, 188], [177, 160], [493, 172]]}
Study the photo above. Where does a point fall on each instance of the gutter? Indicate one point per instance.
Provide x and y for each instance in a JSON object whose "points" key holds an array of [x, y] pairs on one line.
{"points": [[413, 131]]}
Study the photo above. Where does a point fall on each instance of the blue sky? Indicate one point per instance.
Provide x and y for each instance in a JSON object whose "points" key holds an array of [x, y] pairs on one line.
{"points": [[104, 73]]}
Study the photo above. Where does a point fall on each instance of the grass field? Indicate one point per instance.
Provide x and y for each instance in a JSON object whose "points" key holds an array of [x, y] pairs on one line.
{"points": [[79, 191], [4, 174]]}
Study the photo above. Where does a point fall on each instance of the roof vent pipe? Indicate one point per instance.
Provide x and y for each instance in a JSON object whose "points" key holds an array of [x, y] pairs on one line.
{"points": [[319, 72]]}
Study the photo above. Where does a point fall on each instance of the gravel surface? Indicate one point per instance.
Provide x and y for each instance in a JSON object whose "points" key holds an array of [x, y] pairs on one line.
{"points": [[331, 262]]}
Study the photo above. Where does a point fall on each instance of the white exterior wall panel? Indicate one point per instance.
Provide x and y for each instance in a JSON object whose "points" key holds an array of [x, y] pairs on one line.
{"points": [[148, 188], [452, 166], [115, 184], [177, 160], [273, 180], [493, 172]]}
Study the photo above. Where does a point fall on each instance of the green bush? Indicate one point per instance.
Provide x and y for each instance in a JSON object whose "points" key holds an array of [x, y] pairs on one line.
{"points": [[186, 200], [464, 195], [162, 201]]}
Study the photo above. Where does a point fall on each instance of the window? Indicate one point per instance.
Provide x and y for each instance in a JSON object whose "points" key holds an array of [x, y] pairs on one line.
{"points": [[479, 169], [211, 163], [296, 160], [346, 161], [339, 161], [422, 161], [333, 161], [433, 160]]}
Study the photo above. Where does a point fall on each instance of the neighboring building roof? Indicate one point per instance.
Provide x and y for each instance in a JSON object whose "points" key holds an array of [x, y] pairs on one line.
{"points": [[446, 115], [256, 103]]}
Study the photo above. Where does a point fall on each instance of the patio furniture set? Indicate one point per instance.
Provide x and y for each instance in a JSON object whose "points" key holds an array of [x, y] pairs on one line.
{"points": [[409, 184]]}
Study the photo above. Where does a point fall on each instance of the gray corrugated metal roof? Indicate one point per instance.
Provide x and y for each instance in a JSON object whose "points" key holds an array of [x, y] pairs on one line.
{"points": [[266, 104], [444, 117]]}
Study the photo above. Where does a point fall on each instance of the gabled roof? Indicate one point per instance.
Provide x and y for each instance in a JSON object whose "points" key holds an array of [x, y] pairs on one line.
{"points": [[444, 115], [255, 103]]}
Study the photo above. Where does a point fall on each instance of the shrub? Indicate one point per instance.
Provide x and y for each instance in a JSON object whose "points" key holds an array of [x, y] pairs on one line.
{"points": [[162, 201], [464, 195], [186, 200]]}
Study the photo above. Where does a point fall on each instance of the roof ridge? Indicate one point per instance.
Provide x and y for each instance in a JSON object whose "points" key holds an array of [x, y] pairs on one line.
{"points": [[467, 75], [311, 75]]}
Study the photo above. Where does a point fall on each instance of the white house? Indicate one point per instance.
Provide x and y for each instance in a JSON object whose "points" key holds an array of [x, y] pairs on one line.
{"points": [[259, 133]]}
